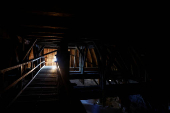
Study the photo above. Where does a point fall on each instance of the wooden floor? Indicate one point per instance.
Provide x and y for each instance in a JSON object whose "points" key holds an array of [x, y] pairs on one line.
{"points": [[42, 95]]}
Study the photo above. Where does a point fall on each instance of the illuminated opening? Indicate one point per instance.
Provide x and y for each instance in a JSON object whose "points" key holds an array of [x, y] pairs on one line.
{"points": [[54, 67], [54, 59], [110, 80]]}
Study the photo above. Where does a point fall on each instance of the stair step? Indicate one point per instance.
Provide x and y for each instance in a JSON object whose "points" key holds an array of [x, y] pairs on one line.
{"points": [[46, 75], [49, 79], [37, 89], [40, 94], [37, 96], [25, 105], [48, 72], [36, 107], [41, 84]]}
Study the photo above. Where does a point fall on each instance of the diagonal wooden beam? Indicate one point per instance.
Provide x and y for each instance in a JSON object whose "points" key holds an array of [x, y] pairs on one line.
{"points": [[80, 51], [95, 82], [49, 53], [30, 49], [41, 49]]}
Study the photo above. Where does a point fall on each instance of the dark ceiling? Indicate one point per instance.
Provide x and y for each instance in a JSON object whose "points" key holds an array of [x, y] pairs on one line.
{"points": [[136, 24], [76, 23]]}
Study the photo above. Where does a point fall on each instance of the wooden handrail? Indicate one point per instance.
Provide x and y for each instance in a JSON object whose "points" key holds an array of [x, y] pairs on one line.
{"points": [[22, 89], [21, 78], [19, 65], [32, 60]]}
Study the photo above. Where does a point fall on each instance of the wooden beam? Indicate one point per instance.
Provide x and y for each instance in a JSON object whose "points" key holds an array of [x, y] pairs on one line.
{"points": [[23, 89], [75, 58], [93, 56], [72, 57], [41, 49], [51, 47], [84, 76], [41, 26], [63, 62], [46, 33], [30, 49], [91, 92], [100, 50], [13, 67], [23, 76], [49, 53], [89, 59], [48, 41], [85, 57], [42, 36], [22, 31], [52, 14], [95, 82]]}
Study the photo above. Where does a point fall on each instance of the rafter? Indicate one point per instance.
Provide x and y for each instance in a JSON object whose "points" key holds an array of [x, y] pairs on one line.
{"points": [[41, 26]]}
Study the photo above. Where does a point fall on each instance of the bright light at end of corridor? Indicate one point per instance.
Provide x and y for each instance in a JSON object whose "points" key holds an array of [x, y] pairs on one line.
{"points": [[54, 59], [54, 67]]}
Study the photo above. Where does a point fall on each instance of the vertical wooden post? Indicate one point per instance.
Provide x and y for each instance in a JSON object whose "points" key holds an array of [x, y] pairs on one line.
{"points": [[63, 61], [101, 58]]}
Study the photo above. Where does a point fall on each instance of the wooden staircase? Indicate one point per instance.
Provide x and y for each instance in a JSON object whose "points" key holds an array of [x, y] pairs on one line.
{"points": [[42, 94]]}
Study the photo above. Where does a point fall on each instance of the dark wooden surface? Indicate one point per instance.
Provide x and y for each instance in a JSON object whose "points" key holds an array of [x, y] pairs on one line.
{"points": [[44, 94], [40, 95]]}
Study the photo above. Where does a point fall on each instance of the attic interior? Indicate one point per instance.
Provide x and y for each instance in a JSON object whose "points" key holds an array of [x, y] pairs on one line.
{"points": [[101, 60]]}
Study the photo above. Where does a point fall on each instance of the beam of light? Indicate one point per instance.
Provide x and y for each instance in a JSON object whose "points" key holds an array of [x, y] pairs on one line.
{"points": [[54, 59], [54, 67]]}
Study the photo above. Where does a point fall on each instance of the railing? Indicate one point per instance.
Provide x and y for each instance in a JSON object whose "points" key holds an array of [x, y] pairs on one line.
{"points": [[22, 73]]}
